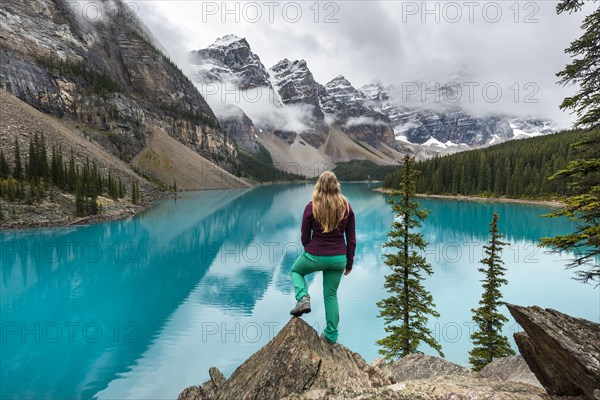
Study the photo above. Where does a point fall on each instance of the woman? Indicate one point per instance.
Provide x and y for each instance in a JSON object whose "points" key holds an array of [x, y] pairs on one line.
{"points": [[325, 221]]}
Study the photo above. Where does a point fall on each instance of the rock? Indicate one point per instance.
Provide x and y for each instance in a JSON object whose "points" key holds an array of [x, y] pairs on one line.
{"points": [[294, 361], [470, 388], [298, 365], [562, 351], [513, 369], [456, 388], [421, 366]]}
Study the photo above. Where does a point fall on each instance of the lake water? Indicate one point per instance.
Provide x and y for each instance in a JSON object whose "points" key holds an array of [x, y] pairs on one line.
{"points": [[141, 308]]}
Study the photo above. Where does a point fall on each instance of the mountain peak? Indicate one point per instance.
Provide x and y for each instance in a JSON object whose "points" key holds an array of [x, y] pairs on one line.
{"points": [[339, 81], [229, 40], [229, 59]]}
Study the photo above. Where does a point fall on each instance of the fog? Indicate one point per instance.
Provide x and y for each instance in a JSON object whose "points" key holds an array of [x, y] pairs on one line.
{"points": [[512, 50]]}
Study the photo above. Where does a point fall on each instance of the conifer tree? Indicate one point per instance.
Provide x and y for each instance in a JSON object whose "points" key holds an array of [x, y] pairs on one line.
{"points": [[489, 342], [4, 167], [18, 170], [583, 203], [407, 309], [134, 193], [72, 174], [121, 188]]}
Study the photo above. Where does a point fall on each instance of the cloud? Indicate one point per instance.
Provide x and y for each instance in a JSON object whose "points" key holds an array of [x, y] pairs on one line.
{"points": [[354, 121], [261, 105], [518, 45]]}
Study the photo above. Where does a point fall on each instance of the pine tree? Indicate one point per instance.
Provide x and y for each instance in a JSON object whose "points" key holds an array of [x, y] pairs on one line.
{"points": [[583, 203], [489, 342], [406, 311], [18, 170], [121, 188], [32, 160], [134, 193], [174, 185], [72, 174], [4, 167]]}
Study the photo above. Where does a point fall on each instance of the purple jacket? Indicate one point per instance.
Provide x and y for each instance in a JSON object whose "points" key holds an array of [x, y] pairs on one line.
{"points": [[331, 243]]}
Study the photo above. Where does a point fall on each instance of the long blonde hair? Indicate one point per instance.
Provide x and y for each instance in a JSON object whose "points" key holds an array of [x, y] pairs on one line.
{"points": [[329, 204]]}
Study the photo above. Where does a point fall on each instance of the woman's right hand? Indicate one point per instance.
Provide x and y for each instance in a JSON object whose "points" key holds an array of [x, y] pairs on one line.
{"points": [[347, 271]]}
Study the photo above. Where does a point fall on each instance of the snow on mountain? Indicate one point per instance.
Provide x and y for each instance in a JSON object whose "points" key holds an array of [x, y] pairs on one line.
{"points": [[419, 124], [531, 127], [373, 114], [294, 83], [229, 60], [353, 111]]}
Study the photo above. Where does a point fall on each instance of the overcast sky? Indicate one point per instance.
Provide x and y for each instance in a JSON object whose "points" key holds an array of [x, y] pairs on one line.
{"points": [[514, 47]]}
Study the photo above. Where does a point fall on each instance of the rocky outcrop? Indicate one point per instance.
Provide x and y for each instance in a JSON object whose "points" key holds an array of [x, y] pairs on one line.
{"points": [[562, 351], [239, 127], [421, 366], [512, 368], [294, 361], [297, 364]]}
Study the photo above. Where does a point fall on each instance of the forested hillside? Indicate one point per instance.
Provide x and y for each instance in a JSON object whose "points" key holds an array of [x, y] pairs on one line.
{"points": [[517, 168]]}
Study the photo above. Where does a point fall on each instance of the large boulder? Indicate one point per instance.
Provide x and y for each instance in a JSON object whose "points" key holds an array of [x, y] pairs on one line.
{"points": [[562, 351], [294, 361], [511, 369]]}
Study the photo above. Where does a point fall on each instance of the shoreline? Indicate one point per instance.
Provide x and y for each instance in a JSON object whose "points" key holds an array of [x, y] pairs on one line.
{"points": [[110, 215], [548, 203]]}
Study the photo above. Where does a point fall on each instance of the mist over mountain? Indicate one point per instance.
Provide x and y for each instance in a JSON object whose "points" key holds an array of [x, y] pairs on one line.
{"points": [[423, 118]]}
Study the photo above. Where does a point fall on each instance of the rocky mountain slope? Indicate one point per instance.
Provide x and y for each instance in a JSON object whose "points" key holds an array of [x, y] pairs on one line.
{"points": [[108, 75], [297, 364]]}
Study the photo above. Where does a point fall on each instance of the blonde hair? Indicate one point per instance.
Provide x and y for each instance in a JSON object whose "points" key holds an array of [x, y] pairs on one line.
{"points": [[329, 205]]}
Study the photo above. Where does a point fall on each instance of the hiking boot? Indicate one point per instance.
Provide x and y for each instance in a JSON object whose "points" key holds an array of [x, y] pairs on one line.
{"points": [[302, 307], [323, 337]]}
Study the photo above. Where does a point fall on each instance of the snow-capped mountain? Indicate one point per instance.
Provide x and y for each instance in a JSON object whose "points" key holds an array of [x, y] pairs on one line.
{"points": [[350, 108], [531, 127], [229, 60], [301, 111], [450, 126], [295, 84]]}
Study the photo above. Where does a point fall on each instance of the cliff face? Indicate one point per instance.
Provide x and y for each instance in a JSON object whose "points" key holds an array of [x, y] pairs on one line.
{"points": [[105, 73]]}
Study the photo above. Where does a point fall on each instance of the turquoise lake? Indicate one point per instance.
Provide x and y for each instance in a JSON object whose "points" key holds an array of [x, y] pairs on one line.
{"points": [[141, 308]]}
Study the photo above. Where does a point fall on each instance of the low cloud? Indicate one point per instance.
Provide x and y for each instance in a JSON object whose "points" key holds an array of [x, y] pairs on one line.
{"points": [[355, 121], [261, 105]]}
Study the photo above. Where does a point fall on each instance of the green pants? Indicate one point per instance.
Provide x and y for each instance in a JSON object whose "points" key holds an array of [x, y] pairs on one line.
{"points": [[333, 267]]}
